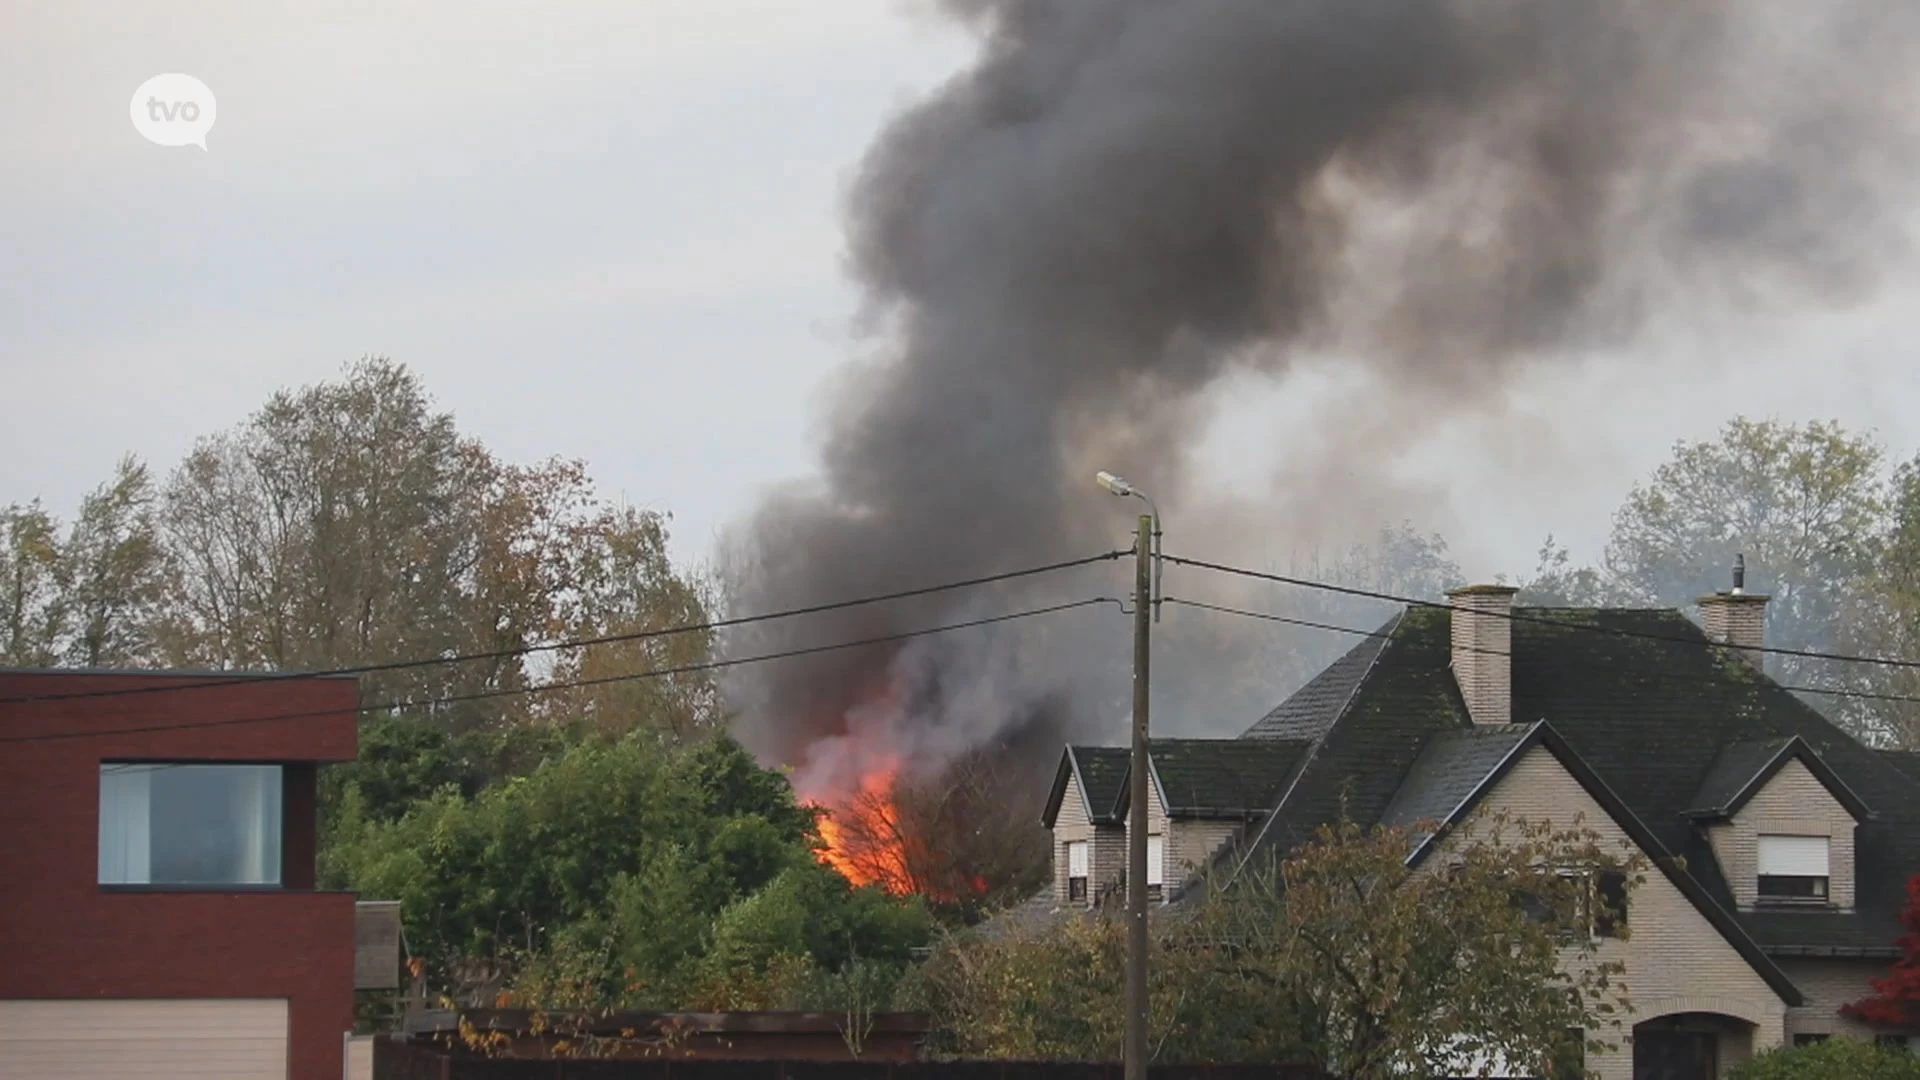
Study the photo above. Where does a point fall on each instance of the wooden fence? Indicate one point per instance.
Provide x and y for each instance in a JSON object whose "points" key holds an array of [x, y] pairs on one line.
{"points": [[395, 1060]]}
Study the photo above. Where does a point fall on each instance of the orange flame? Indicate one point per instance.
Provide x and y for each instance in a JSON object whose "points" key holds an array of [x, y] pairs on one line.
{"points": [[862, 835]]}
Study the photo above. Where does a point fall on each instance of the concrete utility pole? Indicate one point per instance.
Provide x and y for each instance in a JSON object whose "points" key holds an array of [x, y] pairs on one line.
{"points": [[1136, 1045], [1146, 594]]}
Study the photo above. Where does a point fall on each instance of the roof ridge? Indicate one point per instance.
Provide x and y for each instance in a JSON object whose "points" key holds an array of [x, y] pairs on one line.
{"points": [[1313, 751], [1376, 640]]}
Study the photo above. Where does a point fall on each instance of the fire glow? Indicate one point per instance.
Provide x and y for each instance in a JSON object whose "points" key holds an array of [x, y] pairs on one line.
{"points": [[866, 837], [861, 833]]}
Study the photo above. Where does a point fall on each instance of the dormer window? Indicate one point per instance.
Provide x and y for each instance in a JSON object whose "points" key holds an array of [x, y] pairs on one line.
{"points": [[1077, 870], [1794, 868]]}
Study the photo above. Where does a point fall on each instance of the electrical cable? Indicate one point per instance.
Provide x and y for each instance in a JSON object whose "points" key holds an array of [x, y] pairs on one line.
{"points": [[1521, 616], [1669, 676], [651, 673], [252, 678]]}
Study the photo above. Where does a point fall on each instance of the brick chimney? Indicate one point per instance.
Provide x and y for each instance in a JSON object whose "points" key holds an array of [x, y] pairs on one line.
{"points": [[1737, 617], [1482, 647]]}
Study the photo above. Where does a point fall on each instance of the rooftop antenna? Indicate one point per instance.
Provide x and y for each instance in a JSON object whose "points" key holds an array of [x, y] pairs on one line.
{"points": [[1739, 574]]}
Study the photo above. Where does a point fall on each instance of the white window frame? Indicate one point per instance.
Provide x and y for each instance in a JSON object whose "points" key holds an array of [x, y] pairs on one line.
{"points": [[1076, 858], [1793, 856], [1156, 860]]}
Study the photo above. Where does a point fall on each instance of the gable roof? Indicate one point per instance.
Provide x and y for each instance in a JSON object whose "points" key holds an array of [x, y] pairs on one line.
{"points": [[1355, 769], [1541, 734], [1643, 699], [1102, 775], [1309, 711], [1641, 705], [1743, 768], [1228, 778], [1450, 773]]}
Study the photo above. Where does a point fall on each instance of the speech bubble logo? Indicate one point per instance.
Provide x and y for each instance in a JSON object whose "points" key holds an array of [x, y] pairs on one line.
{"points": [[173, 110]]}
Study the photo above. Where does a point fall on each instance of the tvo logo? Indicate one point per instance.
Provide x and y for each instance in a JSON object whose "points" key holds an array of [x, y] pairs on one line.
{"points": [[173, 110]]}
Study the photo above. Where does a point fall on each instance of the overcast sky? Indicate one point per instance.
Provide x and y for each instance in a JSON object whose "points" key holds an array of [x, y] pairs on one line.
{"points": [[610, 230]]}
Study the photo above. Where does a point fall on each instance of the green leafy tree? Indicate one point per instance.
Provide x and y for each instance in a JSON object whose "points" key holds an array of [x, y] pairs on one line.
{"points": [[404, 759], [1414, 972], [623, 584], [31, 602], [351, 522], [636, 871], [1805, 503], [1557, 582], [111, 572], [1883, 619], [1339, 954]]}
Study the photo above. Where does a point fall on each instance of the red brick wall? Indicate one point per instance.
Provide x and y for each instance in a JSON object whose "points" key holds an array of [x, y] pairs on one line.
{"points": [[63, 936]]}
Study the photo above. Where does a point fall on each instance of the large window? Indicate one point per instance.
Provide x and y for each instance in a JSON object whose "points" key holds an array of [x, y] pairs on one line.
{"points": [[1156, 866], [189, 824], [1609, 898], [1598, 904], [1793, 868], [1076, 870]]}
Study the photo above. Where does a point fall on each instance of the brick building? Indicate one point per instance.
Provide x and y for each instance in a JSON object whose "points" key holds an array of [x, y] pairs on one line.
{"points": [[158, 909]]}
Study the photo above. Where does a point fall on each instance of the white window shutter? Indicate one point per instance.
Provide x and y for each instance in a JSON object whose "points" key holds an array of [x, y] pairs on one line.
{"points": [[1793, 856], [1156, 860], [1077, 858]]}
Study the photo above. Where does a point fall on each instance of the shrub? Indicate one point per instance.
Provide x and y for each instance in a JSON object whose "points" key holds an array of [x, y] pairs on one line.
{"points": [[1832, 1059]]}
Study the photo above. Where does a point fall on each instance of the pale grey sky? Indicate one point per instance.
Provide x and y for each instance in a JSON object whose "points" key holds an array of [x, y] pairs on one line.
{"points": [[610, 230]]}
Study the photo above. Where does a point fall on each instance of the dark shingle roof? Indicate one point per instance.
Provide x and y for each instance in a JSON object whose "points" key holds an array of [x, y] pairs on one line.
{"points": [[1733, 774], [1223, 777], [1450, 769], [1651, 708], [1643, 699], [1103, 777], [1312, 709], [1907, 761], [1406, 695], [1652, 715], [1743, 768]]}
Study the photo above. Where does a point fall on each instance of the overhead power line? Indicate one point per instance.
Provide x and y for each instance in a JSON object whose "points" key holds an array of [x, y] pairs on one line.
{"points": [[1522, 616], [651, 673], [1668, 676], [252, 678]]}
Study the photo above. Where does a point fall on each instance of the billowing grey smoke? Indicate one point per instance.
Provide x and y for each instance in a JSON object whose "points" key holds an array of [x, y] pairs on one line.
{"points": [[1124, 200]]}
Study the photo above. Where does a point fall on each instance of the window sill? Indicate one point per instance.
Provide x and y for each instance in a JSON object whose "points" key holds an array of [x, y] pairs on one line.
{"points": [[1793, 903]]}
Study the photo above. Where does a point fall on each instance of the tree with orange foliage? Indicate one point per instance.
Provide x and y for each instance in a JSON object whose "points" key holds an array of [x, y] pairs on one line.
{"points": [[1895, 1001]]}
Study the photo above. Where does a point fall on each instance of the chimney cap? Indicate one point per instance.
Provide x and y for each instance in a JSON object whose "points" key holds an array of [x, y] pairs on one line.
{"points": [[1740, 573], [1484, 590], [1733, 598]]}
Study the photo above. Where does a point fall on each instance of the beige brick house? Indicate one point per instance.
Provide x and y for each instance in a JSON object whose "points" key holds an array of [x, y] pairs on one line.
{"points": [[1781, 845]]}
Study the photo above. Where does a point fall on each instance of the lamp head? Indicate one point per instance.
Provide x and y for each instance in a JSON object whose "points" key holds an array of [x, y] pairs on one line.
{"points": [[1113, 483]]}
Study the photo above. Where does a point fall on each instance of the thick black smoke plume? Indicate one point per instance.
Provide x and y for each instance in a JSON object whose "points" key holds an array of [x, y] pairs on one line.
{"points": [[1123, 201]]}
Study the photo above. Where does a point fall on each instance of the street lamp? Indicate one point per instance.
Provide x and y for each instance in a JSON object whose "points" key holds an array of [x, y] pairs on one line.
{"points": [[1146, 549], [1120, 487]]}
